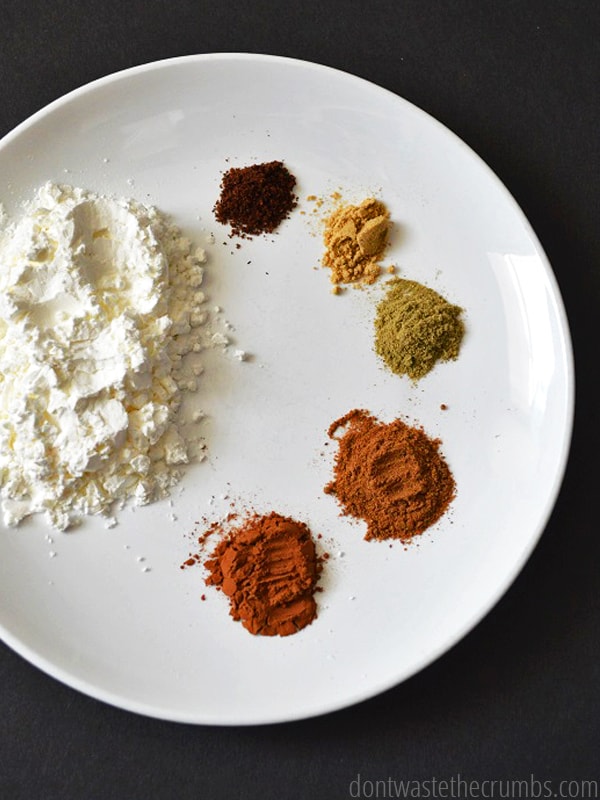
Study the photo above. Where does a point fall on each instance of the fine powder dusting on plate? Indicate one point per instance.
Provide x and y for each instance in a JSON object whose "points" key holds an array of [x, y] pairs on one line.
{"points": [[101, 321]]}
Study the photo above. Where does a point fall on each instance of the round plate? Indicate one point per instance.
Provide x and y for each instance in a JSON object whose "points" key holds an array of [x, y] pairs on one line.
{"points": [[109, 611]]}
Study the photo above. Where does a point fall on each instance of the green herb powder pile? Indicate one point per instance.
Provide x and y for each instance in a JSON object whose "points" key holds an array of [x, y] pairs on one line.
{"points": [[415, 327]]}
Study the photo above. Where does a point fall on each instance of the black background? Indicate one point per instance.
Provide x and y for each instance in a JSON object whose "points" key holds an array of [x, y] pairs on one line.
{"points": [[519, 81]]}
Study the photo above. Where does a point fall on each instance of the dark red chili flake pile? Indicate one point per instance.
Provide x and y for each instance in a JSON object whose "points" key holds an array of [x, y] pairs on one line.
{"points": [[256, 199]]}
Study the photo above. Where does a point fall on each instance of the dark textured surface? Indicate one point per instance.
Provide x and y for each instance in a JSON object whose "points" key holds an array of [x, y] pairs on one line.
{"points": [[520, 696]]}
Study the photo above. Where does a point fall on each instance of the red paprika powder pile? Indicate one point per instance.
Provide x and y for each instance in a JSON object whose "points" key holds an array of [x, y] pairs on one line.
{"points": [[268, 567]]}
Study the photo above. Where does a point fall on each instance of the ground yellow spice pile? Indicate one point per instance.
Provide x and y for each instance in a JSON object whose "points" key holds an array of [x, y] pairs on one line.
{"points": [[355, 239]]}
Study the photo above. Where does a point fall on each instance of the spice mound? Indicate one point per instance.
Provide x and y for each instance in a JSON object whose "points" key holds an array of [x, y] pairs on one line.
{"points": [[392, 476], [269, 569], [256, 199], [415, 327], [100, 312], [355, 238]]}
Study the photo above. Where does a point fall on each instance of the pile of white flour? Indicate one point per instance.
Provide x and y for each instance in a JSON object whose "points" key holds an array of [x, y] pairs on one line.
{"points": [[100, 306]]}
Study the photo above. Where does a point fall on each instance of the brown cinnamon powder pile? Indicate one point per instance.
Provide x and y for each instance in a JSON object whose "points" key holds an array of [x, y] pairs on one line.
{"points": [[355, 238], [390, 475], [268, 567]]}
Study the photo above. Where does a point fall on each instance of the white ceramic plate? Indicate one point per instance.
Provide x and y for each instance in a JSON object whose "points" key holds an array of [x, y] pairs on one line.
{"points": [[144, 640]]}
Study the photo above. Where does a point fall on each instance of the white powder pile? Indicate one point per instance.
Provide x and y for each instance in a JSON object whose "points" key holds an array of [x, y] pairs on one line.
{"points": [[100, 316]]}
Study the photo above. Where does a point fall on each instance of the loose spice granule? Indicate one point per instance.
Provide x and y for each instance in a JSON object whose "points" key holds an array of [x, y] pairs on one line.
{"points": [[256, 199]]}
